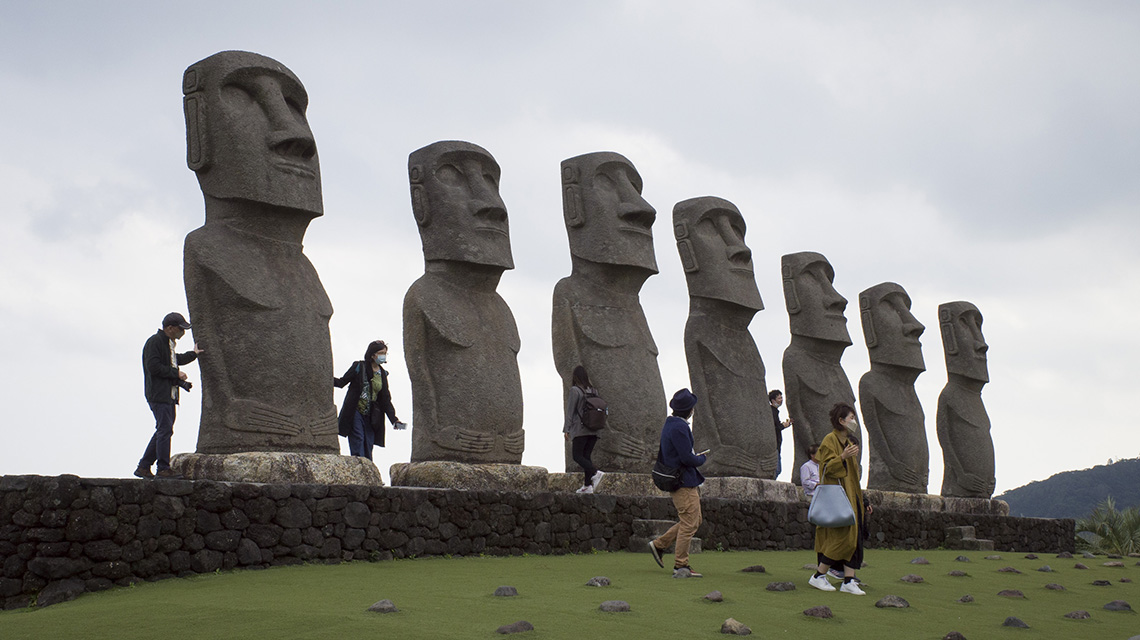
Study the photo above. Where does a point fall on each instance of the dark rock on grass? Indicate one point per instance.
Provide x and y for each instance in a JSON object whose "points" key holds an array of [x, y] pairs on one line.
{"points": [[1079, 566], [1031, 556], [781, 586], [598, 581], [756, 568], [1126, 579], [383, 606], [912, 578], [1053, 586], [1101, 583], [1114, 563], [920, 560], [1078, 615], [714, 596], [892, 602], [966, 599], [960, 559], [60, 591], [1046, 569], [958, 574], [1118, 605], [506, 591], [1115, 556], [516, 627], [1088, 555], [822, 611], [1065, 555], [735, 628], [1008, 570], [1011, 593], [1013, 621], [614, 606], [953, 635]]}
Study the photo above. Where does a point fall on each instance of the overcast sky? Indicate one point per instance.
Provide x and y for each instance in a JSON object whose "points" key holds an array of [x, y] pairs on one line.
{"points": [[987, 152]]}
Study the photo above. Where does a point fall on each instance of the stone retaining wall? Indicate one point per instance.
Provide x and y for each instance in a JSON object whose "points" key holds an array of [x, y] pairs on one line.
{"points": [[62, 536]]}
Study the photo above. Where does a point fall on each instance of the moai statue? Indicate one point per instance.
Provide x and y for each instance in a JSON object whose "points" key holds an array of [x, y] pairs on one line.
{"points": [[258, 308], [597, 320], [963, 425], [814, 380], [725, 369], [899, 459], [460, 339]]}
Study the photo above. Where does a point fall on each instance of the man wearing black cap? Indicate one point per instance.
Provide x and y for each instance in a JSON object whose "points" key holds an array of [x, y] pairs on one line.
{"points": [[676, 451], [161, 380]]}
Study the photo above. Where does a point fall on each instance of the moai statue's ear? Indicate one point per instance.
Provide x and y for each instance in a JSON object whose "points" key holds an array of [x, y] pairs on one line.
{"points": [[868, 323], [685, 248], [194, 107], [946, 323], [419, 198], [791, 301], [571, 197]]}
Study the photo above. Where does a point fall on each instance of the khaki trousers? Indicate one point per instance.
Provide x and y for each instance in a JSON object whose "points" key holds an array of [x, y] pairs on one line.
{"points": [[688, 503]]}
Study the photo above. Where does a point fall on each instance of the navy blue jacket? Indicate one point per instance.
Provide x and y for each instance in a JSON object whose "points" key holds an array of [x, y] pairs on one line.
{"points": [[676, 450]]}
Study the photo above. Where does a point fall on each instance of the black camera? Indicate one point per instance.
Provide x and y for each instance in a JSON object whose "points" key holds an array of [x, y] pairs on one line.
{"points": [[185, 384]]}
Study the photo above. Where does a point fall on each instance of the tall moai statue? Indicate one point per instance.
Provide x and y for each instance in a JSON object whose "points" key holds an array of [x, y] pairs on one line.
{"points": [[258, 308], [814, 380], [725, 368], [460, 339], [963, 425], [899, 458], [597, 320]]}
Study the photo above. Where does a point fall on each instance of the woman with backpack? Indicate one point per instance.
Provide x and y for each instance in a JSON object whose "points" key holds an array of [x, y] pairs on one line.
{"points": [[367, 402], [582, 439]]}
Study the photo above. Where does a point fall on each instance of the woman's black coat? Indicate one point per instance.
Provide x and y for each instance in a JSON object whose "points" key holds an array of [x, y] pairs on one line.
{"points": [[357, 378]]}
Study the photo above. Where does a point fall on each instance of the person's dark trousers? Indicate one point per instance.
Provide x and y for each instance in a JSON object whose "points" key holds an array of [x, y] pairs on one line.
{"points": [[362, 438], [159, 447], [582, 448]]}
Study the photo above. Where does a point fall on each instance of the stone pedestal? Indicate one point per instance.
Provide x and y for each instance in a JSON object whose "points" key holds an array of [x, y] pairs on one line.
{"points": [[274, 467], [928, 502], [614, 483], [739, 488], [469, 477], [986, 506]]}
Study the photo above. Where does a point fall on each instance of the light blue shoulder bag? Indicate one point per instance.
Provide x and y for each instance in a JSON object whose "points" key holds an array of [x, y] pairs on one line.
{"points": [[830, 507]]}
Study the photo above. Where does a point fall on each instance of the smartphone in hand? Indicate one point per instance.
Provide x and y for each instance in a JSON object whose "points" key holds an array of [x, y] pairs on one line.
{"points": [[705, 452]]}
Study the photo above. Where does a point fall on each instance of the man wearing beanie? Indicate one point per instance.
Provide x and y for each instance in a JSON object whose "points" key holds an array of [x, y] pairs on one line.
{"points": [[676, 450]]}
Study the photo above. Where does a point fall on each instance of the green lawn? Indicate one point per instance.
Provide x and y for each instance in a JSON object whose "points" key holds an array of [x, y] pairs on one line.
{"points": [[452, 598]]}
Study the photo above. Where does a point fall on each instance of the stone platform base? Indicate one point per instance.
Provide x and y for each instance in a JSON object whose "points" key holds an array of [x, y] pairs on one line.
{"points": [[469, 477], [641, 484], [614, 483], [275, 467], [927, 502]]}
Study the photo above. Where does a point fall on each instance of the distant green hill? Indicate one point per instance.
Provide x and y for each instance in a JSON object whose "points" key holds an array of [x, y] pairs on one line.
{"points": [[1074, 494]]}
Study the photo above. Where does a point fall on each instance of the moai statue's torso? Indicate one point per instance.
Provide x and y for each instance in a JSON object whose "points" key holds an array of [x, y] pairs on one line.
{"points": [[259, 311], [963, 425], [734, 420], [597, 319], [460, 338], [814, 380], [899, 458]]}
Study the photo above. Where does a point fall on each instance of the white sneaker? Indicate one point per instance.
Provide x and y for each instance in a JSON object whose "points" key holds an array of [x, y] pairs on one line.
{"points": [[597, 477], [586, 489], [821, 583], [852, 588]]}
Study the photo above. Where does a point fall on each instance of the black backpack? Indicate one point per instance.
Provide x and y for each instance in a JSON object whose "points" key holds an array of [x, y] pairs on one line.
{"points": [[594, 411]]}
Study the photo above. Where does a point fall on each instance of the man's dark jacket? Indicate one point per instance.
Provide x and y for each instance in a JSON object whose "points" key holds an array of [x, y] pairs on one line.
{"points": [[158, 374], [357, 378], [677, 451]]}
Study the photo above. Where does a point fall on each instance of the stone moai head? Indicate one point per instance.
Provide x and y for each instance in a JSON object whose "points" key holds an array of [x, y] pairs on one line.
{"points": [[607, 220], [815, 308], [889, 328], [962, 340], [455, 199], [246, 133], [710, 239]]}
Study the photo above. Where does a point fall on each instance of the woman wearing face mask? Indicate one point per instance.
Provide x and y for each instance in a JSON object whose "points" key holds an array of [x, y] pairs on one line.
{"points": [[367, 402], [841, 548]]}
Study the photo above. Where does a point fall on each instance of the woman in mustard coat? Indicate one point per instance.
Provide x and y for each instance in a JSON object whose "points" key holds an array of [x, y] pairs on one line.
{"points": [[840, 548]]}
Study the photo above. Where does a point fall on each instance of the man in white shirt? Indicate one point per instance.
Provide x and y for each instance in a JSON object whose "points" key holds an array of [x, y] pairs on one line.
{"points": [[809, 472]]}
